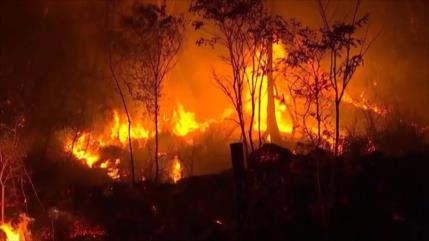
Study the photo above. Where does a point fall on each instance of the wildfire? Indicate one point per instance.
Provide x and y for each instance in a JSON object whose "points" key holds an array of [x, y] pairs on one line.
{"points": [[82, 147], [86, 146], [11, 233], [119, 131], [365, 104], [19, 232], [284, 121], [185, 122], [176, 170]]}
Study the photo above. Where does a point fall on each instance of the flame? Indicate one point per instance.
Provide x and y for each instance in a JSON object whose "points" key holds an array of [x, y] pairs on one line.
{"points": [[81, 148], [176, 170], [185, 122], [119, 131], [12, 234], [284, 121], [19, 232], [87, 146], [365, 104]]}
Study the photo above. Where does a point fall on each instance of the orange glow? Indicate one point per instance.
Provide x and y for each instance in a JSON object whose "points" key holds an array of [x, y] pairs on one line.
{"points": [[365, 104], [284, 121], [176, 170], [185, 122], [86, 146], [11, 233], [81, 147], [18, 232], [119, 131]]}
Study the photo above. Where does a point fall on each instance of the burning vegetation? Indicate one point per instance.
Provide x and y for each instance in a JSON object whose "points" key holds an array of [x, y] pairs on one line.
{"points": [[213, 120]]}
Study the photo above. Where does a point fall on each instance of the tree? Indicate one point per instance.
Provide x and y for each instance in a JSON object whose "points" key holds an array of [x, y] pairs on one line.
{"points": [[309, 80], [259, 66], [346, 52], [115, 62], [121, 93], [13, 172], [244, 30], [155, 39]]}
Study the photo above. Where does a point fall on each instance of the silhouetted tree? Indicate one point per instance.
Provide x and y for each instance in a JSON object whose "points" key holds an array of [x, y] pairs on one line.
{"points": [[115, 62], [245, 30], [155, 38], [346, 52], [308, 81]]}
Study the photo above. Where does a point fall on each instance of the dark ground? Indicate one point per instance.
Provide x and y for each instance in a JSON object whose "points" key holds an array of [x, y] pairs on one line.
{"points": [[366, 197]]}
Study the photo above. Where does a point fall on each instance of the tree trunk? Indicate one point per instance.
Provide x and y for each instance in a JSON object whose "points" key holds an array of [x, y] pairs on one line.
{"points": [[272, 128], [252, 117], [2, 201], [243, 134], [337, 125], [124, 104], [318, 118], [156, 137], [130, 147], [259, 113]]}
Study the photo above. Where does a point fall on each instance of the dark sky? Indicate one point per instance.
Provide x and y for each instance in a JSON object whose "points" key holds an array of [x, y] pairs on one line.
{"points": [[53, 55]]}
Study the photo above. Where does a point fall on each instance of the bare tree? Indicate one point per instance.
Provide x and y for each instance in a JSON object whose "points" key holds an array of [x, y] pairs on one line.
{"points": [[155, 39], [245, 31], [309, 80], [115, 62], [11, 155], [121, 93], [346, 54]]}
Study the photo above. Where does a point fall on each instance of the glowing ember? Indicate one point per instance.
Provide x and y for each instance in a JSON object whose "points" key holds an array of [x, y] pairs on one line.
{"points": [[176, 170], [80, 230], [217, 221], [363, 103]]}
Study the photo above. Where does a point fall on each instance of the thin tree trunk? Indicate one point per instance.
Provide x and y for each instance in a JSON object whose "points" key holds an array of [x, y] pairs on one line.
{"points": [[337, 125], [318, 118], [156, 136], [130, 147], [259, 113], [252, 117], [124, 103], [2, 201], [243, 131], [272, 128]]}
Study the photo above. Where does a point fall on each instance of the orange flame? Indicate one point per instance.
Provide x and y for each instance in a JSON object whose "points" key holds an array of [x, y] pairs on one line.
{"points": [[11, 233], [284, 121], [119, 131], [87, 146], [185, 122], [365, 104], [19, 232], [176, 170]]}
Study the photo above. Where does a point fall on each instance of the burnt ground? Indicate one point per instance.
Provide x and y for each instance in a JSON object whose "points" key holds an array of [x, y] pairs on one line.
{"points": [[367, 197]]}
